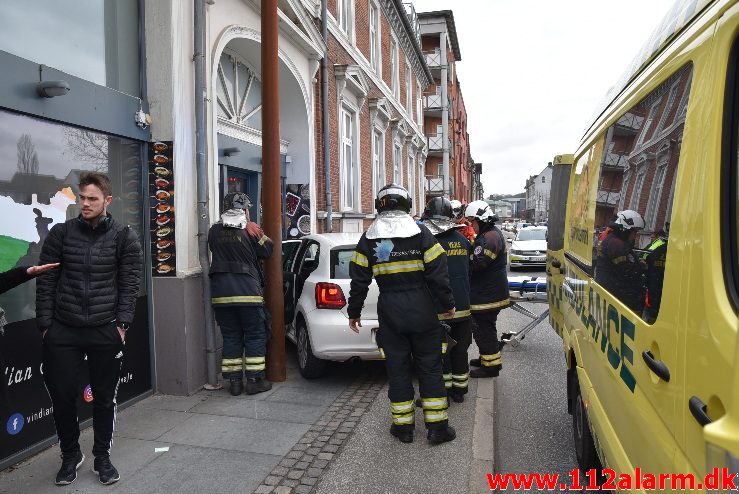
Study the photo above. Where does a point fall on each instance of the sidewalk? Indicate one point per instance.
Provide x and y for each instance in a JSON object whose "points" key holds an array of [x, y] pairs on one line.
{"points": [[324, 436]]}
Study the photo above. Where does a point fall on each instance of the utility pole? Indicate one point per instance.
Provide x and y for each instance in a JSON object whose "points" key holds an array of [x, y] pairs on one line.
{"points": [[271, 193]]}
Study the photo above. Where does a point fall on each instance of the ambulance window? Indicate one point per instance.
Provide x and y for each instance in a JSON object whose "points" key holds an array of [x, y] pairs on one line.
{"points": [[730, 180], [637, 177], [557, 206]]}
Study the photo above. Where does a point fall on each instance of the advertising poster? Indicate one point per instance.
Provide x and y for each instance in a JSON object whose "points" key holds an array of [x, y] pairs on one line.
{"points": [[161, 209], [296, 222]]}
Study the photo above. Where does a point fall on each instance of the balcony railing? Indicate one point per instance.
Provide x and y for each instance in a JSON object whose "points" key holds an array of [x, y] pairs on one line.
{"points": [[435, 184], [608, 197], [630, 121], [615, 160], [432, 102], [436, 143], [433, 58]]}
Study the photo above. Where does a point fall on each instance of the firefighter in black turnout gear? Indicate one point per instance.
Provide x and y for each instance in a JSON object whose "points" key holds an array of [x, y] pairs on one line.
{"points": [[438, 218], [409, 266], [488, 287], [237, 283]]}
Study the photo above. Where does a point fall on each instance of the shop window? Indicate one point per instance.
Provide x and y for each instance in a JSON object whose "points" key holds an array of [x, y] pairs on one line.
{"points": [[646, 174], [38, 189], [96, 40]]}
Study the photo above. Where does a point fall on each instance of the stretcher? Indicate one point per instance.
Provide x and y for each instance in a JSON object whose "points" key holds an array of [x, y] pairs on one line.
{"points": [[530, 290]]}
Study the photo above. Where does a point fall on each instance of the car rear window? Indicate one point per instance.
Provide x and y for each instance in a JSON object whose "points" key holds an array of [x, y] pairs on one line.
{"points": [[340, 259]]}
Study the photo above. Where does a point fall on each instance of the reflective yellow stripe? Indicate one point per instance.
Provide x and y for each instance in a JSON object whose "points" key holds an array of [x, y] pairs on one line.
{"points": [[460, 384], [252, 368], [232, 361], [382, 353], [359, 259], [618, 260], [444, 346], [410, 419], [255, 360], [490, 357], [263, 240], [459, 314], [447, 377], [435, 403], [490, 254], [397, 267], [461, 377], [401, 405], [231, 368], [239, 299], [492, 305], [435, 416], [433, 253]]}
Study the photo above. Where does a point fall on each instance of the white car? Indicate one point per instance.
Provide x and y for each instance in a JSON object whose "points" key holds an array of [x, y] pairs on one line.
{"points": [[529, 248], [316, 273]]}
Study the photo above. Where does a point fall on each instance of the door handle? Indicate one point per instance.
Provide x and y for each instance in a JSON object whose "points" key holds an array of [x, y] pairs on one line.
{"points": [[656, 366], [698, 409]]}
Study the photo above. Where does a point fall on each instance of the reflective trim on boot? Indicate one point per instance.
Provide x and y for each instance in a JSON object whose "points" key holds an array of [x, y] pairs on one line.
{"points": [[403, 412]]}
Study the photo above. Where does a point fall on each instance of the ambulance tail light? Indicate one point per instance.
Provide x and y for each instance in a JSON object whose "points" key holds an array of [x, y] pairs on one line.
{"points": [[719, 465], [329, 296]]}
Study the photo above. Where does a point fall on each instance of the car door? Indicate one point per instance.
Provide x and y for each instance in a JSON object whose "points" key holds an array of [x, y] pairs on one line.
{"points": [[290, 249]]}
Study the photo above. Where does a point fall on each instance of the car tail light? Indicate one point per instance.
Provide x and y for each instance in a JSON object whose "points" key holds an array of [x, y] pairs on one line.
{"points": [[329, 296]]}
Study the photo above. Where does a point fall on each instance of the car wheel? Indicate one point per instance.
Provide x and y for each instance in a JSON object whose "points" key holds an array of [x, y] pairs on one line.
{"points": [[587, 457], [310, 366]]}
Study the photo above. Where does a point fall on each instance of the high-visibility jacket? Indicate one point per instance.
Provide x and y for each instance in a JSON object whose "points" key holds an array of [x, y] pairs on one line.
{"points": [[399, 264], [236, 276], [489, 282], [458, 251]]}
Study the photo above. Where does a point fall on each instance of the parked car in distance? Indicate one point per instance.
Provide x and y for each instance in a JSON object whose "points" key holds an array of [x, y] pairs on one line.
{"points": [[316, 279], [529, 247]]}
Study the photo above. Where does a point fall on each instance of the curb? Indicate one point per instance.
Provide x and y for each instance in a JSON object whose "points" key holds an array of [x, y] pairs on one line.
{"points": [[483, 437]]}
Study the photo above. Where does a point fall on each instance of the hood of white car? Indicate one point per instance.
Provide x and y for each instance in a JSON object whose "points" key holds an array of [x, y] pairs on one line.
{"points": [[530, 245]]}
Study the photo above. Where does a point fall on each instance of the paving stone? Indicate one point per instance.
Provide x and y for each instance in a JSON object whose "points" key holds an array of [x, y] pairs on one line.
{"points": [[280, 471], [301, 465], [288, 462], [309, 480], [264, 489], [331, 448], [325, 456], [314, 472], [323, 438], [320, 464], [294, 454], [295, 474], [313, 451], [272, 480], [335, 441], [283, 489], [290, 483], [350, 423], [341, 435], [307, 458], [319, 444], [300, 447], [303, 489]]}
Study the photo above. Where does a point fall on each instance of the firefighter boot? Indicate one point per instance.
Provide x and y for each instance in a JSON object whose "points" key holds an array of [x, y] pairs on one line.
{"points": [[404, 433], [256, 385], [456, 397], [483, 372], [438, 436], [236, 386]]}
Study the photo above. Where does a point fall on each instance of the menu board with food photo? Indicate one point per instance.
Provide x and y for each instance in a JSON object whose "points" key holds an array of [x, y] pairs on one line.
{"points": [[161, 208], [296, 222]]}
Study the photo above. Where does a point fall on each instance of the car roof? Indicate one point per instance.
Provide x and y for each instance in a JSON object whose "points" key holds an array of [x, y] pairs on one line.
{"points": [[336, 239]]}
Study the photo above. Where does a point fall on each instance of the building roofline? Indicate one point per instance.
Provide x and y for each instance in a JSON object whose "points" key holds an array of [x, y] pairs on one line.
{"points": [[414, 41], [451, 27]]}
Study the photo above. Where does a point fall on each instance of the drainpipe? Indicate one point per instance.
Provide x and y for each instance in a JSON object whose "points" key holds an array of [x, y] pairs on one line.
{"points": [[202, 178], [444, 116], [324, 117]]}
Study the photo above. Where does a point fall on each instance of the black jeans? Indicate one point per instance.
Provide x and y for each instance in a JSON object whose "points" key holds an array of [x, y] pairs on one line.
{"points": [[65, 349]]}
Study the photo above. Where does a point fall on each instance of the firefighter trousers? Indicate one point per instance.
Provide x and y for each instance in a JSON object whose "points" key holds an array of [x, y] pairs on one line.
{"points": [[410, 332], [486, 337], [244, 332], [456, 363]]}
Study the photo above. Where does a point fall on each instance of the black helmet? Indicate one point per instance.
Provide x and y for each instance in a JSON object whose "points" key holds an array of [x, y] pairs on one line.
{"points": [[393, 197], [236, 200], [438, 208]]}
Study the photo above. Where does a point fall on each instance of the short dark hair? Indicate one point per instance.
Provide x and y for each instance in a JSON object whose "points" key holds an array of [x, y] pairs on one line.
{"points": [[100, 180]]}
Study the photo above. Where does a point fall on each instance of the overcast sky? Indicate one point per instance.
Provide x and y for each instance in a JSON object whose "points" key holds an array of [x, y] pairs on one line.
{"points": [[534, 71]]}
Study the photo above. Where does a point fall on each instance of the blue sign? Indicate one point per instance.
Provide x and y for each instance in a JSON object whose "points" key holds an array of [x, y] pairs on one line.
{"points": [[15, 424]]}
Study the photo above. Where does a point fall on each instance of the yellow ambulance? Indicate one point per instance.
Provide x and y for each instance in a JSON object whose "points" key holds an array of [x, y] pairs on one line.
{"points": [[646, 301]]}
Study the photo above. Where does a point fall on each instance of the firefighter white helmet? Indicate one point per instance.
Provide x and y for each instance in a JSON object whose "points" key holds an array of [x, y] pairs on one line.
{"points": [[456, 208], [480, 210], [629, 219]]}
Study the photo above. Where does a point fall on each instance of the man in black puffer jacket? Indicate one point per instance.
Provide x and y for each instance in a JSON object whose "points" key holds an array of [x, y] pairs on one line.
{"points": [[84, 309]]}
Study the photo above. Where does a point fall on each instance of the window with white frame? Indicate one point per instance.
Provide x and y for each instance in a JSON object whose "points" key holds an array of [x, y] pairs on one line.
{"points": [[345, 16], [394, 68], [636, 193], [397, 164], [412, 178], [349, 165], [378, 161], [419, 104], [667, 109], [650, 217], [375, 40], [648, 123], [408, 91]]}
